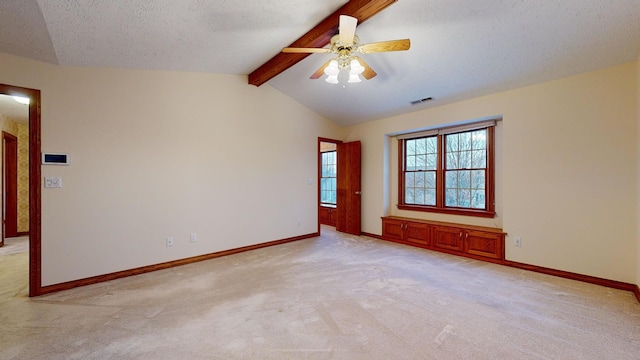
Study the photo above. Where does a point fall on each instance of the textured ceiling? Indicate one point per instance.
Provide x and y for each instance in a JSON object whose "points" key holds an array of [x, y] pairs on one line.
{"points": [[459, 48]]}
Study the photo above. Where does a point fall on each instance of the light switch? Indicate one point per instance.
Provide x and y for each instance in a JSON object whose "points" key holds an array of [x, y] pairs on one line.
{"points": [[52, 182]]}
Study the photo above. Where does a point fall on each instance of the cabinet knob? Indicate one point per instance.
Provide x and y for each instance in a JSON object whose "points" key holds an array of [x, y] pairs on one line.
{"points": [[358, 192]]}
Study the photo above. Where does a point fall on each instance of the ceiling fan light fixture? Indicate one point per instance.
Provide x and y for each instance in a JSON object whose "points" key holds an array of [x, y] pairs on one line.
{"points": [[332, 79], [354, 78], [355, 67], [332, 69]]}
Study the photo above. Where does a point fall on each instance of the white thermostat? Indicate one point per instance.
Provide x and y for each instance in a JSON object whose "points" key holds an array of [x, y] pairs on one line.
{"points": [[55, 159]]}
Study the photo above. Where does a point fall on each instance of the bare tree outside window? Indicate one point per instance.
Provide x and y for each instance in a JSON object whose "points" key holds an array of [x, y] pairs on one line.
{"points": [[328, 181], [449, 172]]}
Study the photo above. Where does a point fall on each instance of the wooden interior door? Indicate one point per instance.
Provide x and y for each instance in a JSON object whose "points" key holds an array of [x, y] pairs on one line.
{"points": [[10, 185], [348, 183]]}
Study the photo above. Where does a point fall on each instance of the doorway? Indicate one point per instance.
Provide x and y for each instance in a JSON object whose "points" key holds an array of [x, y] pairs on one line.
{"points": [[327, 181], [35, 228], [339, 194], [9, 185]]}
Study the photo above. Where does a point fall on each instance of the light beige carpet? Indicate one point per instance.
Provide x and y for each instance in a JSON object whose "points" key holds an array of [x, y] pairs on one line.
{"points": [[332, 297]]}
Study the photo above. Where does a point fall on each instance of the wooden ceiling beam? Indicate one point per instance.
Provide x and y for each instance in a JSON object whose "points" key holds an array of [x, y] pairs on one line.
{"points": [[319, 36]]}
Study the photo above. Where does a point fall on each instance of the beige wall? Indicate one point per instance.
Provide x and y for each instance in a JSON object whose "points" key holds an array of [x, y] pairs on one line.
{"points": [[157, 154], [566, 177]]}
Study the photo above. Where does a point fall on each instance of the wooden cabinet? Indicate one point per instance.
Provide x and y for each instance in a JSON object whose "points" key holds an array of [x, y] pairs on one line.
{"points": [[482, 243], [327, 215], [449, 238], [467, 240], [411, 232]]}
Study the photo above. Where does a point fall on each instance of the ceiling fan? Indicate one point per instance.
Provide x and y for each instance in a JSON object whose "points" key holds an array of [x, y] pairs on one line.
{"points": [[345, 45]]}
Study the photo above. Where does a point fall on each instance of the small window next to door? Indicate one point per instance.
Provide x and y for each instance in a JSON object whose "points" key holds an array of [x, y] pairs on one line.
{"points": [[328, 184]]}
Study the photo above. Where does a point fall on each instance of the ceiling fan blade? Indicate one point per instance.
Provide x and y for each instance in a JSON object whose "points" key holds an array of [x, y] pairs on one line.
{"points": [[383, 46], [368, 72], [347, 29], [320, 72], [305, 50]]}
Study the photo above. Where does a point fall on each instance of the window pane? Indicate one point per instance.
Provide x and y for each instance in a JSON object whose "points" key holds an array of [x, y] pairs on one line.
{"points": [[479, 159], [328, 177], [451, 198], [452, 142], [464, 141], [451, 179], [411, 163], [409, 180], [464, 179], [419, 196], [432, 162], [432, 145], [477, 179], [430, 195], [411, 147], [464, 160], [421, 162], [477, 199], [421, 146], [464, 198], [430, 179], [408, 196], [452, 160], [479, 139], [419, 180]]}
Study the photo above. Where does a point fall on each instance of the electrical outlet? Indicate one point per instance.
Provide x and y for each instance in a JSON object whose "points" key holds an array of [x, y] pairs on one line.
{"points": [[517, 242], [169, 242], [193, 238]]}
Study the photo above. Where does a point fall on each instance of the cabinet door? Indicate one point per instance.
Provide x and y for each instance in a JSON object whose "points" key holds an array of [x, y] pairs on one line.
{"points": [[325, 215], [332, 217], [449, 238], [484, 244], [418, 233], [392, 229]]}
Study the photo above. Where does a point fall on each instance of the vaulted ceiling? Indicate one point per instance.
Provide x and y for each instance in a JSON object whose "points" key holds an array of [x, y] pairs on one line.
{"points": [[459, 49]]}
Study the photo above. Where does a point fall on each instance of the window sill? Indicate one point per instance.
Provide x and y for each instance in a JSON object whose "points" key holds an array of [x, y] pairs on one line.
{"points": [[453, 211]]}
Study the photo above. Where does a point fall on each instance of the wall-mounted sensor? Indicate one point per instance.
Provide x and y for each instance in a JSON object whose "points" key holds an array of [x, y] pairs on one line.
{"points": [[55, 159]]}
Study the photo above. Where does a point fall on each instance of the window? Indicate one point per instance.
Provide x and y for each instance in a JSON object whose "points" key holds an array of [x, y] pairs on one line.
{"points": [[448, 170], [328, 184]]}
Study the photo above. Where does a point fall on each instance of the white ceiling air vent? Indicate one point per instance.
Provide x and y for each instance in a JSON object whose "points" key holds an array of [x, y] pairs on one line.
{"points": [[416, 102]]}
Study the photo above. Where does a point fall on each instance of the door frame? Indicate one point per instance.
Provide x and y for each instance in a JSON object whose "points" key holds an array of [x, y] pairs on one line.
{"points": [[9, 185], [35, 191], [319, 180]]}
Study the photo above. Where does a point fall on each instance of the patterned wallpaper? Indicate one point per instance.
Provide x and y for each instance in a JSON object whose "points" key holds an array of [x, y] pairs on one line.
{"points": [[23, 177], [21, 131]]}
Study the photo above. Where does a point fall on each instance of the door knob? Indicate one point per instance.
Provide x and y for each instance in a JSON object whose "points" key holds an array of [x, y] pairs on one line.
{"points": [[358, 192]]}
